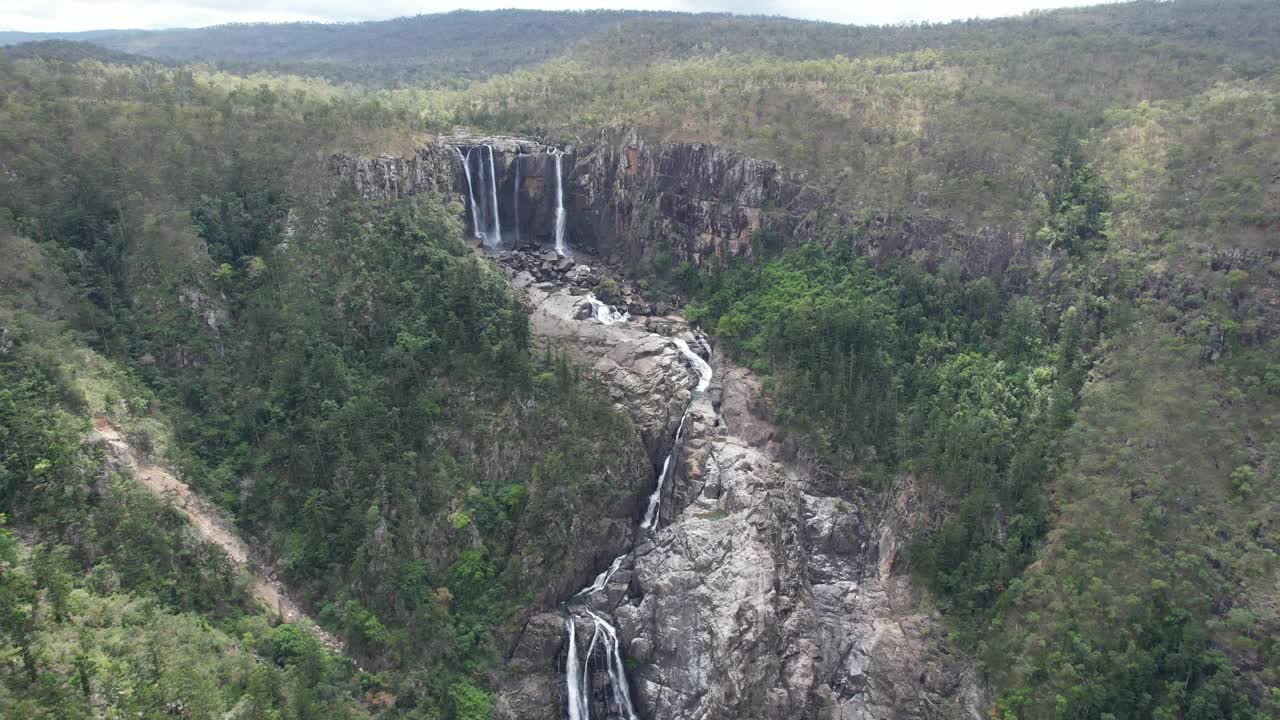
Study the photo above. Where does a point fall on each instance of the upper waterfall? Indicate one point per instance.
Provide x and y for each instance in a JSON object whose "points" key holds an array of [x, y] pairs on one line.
{"points": [[496, 239], [560, 214], [475, 216]]}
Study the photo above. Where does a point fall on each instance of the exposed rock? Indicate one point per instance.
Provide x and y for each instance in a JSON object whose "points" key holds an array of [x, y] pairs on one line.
{"points": [[643, 372], [702, 200], [759, 596], [431, 169]]}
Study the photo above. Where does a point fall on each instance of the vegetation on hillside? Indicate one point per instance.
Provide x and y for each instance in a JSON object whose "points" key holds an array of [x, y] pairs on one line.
{"points": [[348, 380], [1091, 430]]}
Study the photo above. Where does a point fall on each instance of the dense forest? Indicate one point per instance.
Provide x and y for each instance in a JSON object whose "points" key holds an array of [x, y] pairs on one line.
{"points": [[1092, 429], [405, 387]]}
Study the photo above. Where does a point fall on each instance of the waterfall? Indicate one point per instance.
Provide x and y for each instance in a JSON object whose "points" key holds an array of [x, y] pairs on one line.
{"points": [[560, 214], [496, 240], [603, 578], [699, 365], [577, 708], [606, 314], [577, 672], [704, 380], [475, 216], [584, 683], [617, 671], [655, 498]]}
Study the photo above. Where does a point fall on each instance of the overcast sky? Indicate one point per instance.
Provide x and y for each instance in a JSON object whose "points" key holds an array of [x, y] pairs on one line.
{"points": [[68, 15]]}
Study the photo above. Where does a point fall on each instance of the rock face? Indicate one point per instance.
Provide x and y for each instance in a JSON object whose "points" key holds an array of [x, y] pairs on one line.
{"points": [[704, 199], [640, 369], [759, 595], [523, 172], [627, 198], [431, 169]]}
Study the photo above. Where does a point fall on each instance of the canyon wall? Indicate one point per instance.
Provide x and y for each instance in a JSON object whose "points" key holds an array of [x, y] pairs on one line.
{"points": [[628, 198]]}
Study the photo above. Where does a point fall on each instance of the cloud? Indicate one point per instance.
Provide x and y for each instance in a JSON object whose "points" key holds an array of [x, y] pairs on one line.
{"points": [[74, 15]]}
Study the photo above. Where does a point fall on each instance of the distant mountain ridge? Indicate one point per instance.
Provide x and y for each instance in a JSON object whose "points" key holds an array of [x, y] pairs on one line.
{"points": [[440, 49]]}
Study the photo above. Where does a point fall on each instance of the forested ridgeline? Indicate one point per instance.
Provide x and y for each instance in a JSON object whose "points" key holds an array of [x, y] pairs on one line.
{"points": [[347, 380], [1090, 431]]}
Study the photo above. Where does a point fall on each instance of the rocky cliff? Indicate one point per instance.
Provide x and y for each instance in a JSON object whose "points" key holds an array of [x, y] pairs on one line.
{"points": [[759, 595], [628, 198]]}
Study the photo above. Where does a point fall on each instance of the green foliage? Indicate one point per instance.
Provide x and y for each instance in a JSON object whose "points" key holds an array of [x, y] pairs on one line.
{"points": [[1079, 216], [1140, 638], [361, 393], [823, 323], [470, 702], [83, 653], [122, 534], [898, 367]]}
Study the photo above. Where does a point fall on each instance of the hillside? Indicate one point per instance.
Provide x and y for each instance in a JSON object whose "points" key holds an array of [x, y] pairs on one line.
{"points": [[447, 49], [989, 313]]}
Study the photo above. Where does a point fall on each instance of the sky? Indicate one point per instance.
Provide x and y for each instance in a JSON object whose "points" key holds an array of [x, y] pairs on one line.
{"points": [[74, 15]]}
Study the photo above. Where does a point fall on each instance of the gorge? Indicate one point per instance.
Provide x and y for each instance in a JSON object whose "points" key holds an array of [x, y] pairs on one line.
{"points": [[744, 589], [599, 365]]}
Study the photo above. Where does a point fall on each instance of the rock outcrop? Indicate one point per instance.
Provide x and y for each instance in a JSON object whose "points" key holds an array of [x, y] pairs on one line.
{"points": [[431, 169], [760, 595], [628, 198], [704, 200]]}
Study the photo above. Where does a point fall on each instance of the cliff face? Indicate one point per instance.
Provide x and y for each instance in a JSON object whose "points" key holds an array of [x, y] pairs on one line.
{"points": [[760, 595], [626, 197], [704, 200]]}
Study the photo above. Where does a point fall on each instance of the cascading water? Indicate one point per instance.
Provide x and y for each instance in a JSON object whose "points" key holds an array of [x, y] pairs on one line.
{"points": [[699, 365], [602, 579], [576, 709], [606, 314], [496, 238], [617, 671], [560, 214], [655, 498], [577, 675], [704, 380], [475, 215]]}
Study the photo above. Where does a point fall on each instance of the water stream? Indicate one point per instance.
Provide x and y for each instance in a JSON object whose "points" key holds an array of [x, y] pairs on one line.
{"points": [[577, 670], [560, 214], [475, 215], [607, 314], [495, 239]]}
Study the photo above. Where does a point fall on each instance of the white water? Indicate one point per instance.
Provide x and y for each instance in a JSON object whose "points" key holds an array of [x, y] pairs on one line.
{"points": [[584, 683], [577, 709], [603, 578], [699, 365], [496, 240], [577, 675], [617, 671], [475, 215], [655, 498], [607, 314], [704, 380], [560, 214]]}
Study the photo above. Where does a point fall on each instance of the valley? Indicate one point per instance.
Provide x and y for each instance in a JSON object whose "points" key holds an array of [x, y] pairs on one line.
{"points": [[643, 366]]}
